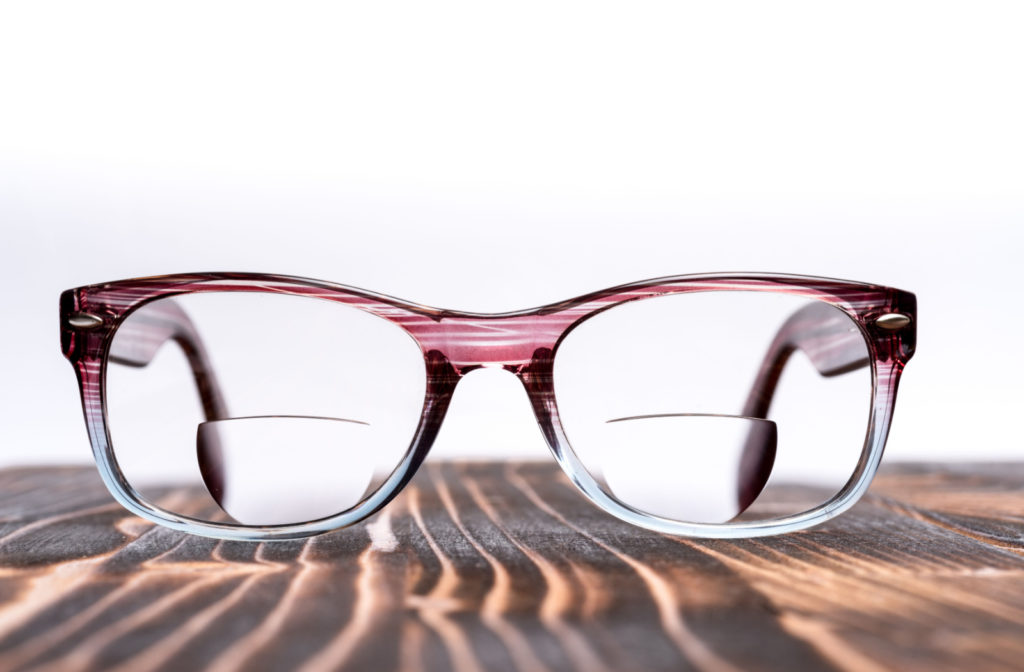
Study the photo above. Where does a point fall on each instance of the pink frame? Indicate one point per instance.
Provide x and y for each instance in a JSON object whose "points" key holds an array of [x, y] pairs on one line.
{"points": [[455, 343]]}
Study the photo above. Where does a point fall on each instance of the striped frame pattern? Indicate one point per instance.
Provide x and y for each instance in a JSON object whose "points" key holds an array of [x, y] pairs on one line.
{"points": [[453, 344]]}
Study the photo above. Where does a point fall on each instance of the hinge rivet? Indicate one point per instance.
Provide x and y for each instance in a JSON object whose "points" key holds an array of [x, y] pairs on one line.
{"points": [[892, 321], [84, 320]]}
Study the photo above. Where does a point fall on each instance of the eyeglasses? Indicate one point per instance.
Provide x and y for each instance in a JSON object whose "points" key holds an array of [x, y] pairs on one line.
{"points": [[259, 407]]}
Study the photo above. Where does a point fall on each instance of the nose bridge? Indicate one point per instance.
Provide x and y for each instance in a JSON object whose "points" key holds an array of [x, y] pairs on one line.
{"points": [[490, 410], [509, 342]]}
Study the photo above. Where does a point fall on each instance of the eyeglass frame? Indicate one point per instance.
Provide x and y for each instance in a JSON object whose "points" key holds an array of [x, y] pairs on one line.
{"points": [[453, 344]]}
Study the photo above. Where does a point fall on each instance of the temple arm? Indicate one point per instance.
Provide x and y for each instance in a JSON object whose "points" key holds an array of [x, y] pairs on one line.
{"points": [[146, 330], [823, 333]]}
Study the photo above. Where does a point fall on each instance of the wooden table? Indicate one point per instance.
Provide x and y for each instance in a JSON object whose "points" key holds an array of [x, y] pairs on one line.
{"points": [[490, 566]]}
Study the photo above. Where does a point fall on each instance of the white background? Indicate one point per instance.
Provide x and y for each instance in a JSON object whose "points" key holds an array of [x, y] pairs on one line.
{"points": [[492, 156]]}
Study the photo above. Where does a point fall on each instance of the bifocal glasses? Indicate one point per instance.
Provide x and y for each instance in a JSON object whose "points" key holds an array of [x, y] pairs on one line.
{"points": [[262, 407]]}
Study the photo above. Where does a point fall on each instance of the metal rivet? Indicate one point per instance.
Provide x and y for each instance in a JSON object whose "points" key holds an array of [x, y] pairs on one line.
{"points": [[893, 321], [84, 320]]}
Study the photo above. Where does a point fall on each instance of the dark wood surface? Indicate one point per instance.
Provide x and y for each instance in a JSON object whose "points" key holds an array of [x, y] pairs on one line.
{"points": [[489, 566]]}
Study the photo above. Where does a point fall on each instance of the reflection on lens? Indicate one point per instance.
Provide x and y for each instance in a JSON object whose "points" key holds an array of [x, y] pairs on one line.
{"points": [[260, 409], [716, 406]]}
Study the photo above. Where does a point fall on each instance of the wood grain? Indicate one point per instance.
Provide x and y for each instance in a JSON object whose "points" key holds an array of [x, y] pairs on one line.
{"points": [[493, 566]]}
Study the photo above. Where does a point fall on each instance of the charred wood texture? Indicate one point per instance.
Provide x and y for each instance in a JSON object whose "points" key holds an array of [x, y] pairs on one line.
{"points": [[504, 566]]}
